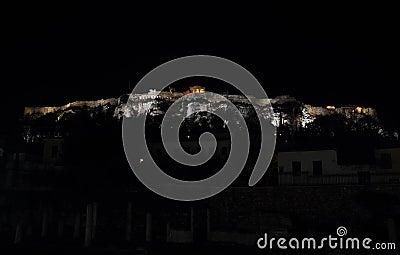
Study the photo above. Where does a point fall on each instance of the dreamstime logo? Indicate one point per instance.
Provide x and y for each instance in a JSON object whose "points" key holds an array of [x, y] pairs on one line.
{"points": [[341, 231], [133, 129], [330, 242]]}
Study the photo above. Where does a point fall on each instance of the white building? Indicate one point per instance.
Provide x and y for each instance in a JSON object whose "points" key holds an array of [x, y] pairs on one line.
{"points": [[321, 167], [310, 163]]}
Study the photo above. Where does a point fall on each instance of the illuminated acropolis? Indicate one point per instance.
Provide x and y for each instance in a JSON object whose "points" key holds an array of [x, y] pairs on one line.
{"points": [[140, 104]]}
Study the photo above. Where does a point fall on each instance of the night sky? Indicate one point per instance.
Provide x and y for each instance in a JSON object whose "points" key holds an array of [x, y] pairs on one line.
{"points": [[55, 53]]}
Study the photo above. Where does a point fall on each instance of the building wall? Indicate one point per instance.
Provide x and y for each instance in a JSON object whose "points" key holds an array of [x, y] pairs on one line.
{"points": [[328, 158], [395, 158], [91, 104], [386, 169]]}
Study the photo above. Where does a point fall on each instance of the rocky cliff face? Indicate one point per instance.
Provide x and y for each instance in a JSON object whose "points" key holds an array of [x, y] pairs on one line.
{"points": [[287, 110]]}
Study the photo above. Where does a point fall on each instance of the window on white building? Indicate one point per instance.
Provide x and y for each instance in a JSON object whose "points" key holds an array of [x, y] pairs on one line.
{"points": [[296, 168], [317, 167]]}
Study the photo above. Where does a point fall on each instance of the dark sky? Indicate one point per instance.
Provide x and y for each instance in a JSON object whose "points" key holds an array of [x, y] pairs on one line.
{"points": [[60, 52]]}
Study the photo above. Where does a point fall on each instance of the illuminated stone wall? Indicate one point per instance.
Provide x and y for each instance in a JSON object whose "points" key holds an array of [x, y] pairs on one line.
{"points": [[140, 104], [51, 109]]}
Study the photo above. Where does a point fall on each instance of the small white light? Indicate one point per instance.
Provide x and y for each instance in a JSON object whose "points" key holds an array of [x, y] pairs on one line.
{"points": [[141, 160]]}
